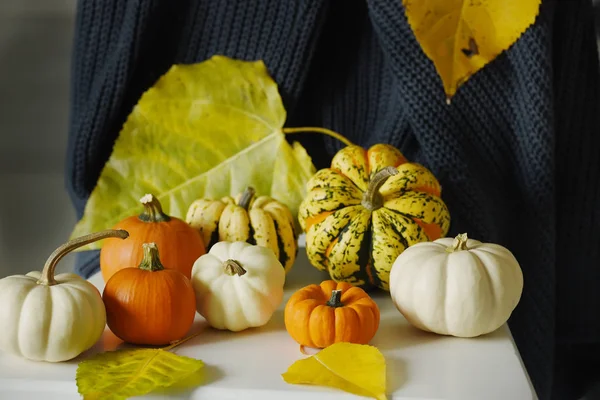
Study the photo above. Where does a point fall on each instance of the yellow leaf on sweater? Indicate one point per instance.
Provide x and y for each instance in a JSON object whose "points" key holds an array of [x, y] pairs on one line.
{"points": [[462, 36], [208, 129], [354, 368]]}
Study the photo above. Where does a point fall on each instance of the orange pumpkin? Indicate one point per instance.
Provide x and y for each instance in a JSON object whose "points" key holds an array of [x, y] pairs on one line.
{"points": [[321, 315], [184, 243], [149, 305]]}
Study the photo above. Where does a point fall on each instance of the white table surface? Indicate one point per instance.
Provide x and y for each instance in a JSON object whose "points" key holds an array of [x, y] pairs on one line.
{"points": [[249, 364]]}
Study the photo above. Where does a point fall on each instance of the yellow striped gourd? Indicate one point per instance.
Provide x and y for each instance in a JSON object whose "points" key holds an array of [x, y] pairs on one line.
{"points": [[258, 220], [364, 210]]}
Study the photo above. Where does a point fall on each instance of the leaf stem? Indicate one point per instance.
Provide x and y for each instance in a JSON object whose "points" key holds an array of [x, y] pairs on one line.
{"points": [[47, 277], [324, 131], [303, 350], [181, 341]]}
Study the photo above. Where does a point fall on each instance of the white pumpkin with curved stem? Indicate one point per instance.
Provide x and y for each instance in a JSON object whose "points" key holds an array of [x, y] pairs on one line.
{"points": [[237, 285], [459, 287], [52, 318]]}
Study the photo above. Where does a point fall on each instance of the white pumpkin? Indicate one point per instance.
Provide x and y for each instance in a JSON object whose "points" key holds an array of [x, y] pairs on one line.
{"points": [[459, 287], [238, 285], [52, 318]]}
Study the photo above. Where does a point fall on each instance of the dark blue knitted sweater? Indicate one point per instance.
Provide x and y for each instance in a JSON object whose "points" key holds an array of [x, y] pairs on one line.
{"points": [[517, 152]]}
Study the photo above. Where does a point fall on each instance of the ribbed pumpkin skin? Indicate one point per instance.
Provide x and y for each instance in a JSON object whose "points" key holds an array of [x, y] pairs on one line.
{"points": [[313, 323], [183, 244], [358, 245], [149, 307], [263, 221], [187, 246]]}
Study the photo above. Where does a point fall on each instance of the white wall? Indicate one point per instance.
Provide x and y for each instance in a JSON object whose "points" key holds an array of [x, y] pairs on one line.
{"points": [[36, 215]]}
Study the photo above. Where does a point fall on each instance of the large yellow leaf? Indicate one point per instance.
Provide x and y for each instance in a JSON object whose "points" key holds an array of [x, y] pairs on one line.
{"points": [[462, 36], [354, 368], [203, 130], [122, 374]]}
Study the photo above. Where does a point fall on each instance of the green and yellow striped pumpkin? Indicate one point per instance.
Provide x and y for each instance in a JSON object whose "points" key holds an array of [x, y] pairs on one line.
{"points": [[364, 210], [258, 220]]}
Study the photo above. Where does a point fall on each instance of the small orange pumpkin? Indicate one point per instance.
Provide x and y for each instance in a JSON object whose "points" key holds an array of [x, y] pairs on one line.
{"points": [[320, 315], [149, 305], [184, 243]]}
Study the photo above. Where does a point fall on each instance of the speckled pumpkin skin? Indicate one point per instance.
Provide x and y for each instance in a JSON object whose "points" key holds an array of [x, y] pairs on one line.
{"points": [[358, 245]]}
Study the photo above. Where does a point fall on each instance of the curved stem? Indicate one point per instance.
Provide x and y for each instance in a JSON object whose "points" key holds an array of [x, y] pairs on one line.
{"points": [[153, 211], [232, 267], [246, 197], [47, 277], [336, 299], [151, 260], [372, 199], [324, 131], [460, 243]]}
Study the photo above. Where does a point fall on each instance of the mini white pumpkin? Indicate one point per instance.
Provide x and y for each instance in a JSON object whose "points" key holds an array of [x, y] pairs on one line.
{"points": [[238, 285], [52, 318], [459, 287]]}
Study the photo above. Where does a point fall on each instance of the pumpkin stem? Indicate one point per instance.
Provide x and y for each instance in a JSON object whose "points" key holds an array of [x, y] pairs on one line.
{"points": [[246, 197], [151, 260], [324, 131], [372, 199], [232, 267], [335, 299], [460, 243], [153, 211], [47, 277]]}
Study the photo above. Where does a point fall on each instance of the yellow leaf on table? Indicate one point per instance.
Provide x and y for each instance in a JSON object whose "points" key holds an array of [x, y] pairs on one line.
{"points": [[115, 375], [462, 36], [204, 130], [355, 368]]}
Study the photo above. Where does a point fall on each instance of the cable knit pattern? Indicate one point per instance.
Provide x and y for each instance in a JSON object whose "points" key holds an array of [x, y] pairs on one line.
{"points": [[517, 151]]}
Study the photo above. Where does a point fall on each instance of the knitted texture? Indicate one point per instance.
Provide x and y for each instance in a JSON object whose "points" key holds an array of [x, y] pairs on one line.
{"points": [[516, 151]]}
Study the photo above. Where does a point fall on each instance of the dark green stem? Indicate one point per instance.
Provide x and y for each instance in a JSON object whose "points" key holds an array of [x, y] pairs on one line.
{"points": [[151, 259], [335, 299], [153, 211]]}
